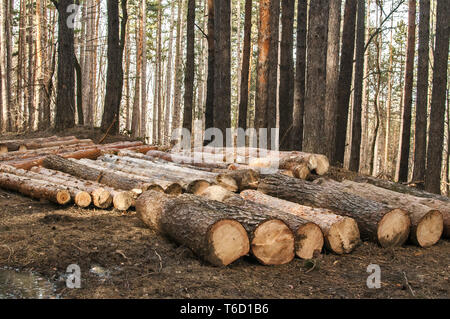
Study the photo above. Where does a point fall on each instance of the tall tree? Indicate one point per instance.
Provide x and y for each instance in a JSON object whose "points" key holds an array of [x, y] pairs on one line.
{"points": [[300, 72], [114, 84], [209, 107], [403, 161], [267, 68], [358, 88], [437, 116], [4, 105], [136, 115], [189, 72], [245, 70], [331, 97], [420, 146], [176, 108], [222, 65], [286, 94], [65, 95], [143, 78], [314, 137], [345, 79]]}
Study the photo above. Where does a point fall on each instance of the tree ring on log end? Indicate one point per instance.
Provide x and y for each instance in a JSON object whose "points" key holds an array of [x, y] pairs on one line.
{"points": [[229, 242], [393, 229], [63, 197], [273, 243], [430, 228], [83, 199], [309, 240], [174, 189], [198, 186], [123, 201], [343, 236]]}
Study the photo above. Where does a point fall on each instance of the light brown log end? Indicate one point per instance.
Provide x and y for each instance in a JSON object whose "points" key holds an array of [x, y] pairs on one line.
{"points": [[3, 149], [343, 236], [102, 198], [83, 199], [123, 200], [63, 197], [227, 182], [154, 187], [174, 189], [23, 148], [217, 192], [198, 186], [273, 243], [309, 241], [287, 172], [322, 164], [393, 229], [229, 242], [301, 171], [429, 229]]}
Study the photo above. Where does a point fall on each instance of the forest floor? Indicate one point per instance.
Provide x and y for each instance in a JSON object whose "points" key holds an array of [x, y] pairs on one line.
{"points": [[120, 257]]}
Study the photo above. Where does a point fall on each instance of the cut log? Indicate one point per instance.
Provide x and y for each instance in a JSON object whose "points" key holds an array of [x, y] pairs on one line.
{"points": [[185, 160], [341, 233], [195, 223], [399, 188], [92, 174], [376, 221], [103, 196], [426, 223], [243, 179], [37, 145], [27, 164], [34, 188], [308, 236], [14, 145], [81, 198]]}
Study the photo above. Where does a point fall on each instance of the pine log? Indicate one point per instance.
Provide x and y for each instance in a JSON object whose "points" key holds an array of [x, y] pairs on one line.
{"points": [[239, 180], [195, 223], [426, 223], [399, 188], [308, 236], [37, 145], [377, 222], [185, 160], [35, 188], [103, 196], [14, 145], [81, 198], [341, 233], [83, 171]]}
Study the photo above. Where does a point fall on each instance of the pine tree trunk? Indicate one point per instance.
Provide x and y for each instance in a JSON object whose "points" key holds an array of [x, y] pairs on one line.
{"points": [[245, 70], [189, 72], [176, 108], [143, 78]]}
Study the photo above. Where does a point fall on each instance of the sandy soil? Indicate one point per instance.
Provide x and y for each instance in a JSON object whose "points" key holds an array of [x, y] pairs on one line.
{"points": [[133, 261]]}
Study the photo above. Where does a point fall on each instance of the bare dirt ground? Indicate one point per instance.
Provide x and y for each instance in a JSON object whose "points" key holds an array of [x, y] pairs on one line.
{"points": [[133, 261]]}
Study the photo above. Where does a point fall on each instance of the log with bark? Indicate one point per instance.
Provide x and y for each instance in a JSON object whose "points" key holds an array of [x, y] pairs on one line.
{"points": [[308, 236], [103, 196], [426, 223], [85, 172], [196, 223], [15, 145], [376, 221], [180, 159], [35, 188], [37, 145], [81, 197], [341, 233], [239, 180]]}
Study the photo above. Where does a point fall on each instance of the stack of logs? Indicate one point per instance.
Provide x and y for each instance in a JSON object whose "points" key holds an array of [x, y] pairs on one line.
{"points": [[222, 203]]}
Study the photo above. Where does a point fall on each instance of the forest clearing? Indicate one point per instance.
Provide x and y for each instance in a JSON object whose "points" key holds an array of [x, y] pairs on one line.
{"points": [[224, 149]]}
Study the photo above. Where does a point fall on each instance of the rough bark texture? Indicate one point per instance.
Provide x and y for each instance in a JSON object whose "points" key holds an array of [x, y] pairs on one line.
{"points": [[371, 216], [426, 223], [85, 172], [35, 188], [245, 70], [436, 133], [314, 137], [403, 160], [341, 233], [193, 222], [244, 179]]}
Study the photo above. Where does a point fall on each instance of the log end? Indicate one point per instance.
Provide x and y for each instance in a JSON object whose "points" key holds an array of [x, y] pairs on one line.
{"points": [[174, 189], [343, 236], [102, 198], [217, 193], [63, 197], [227, 182], [198, 186], [309, 241], [123, 200], [83, 199], [301, 171], [393, 229], [3, 149], [229, 242], [273, 243], [322, 164], [429, 230]]}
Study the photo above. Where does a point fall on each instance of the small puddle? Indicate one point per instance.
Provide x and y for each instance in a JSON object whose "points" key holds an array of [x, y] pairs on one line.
{"points": [[24, 285]]}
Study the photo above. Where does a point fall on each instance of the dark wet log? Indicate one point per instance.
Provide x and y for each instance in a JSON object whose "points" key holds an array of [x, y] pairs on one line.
{"points": [[196, 224], [376, 221]]}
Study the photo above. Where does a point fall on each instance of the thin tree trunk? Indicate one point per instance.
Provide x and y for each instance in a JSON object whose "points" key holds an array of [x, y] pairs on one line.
{"points": [[245, 70], [143, 78], [189, 72], [209, 107], [169, 78], [176, 108]]}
